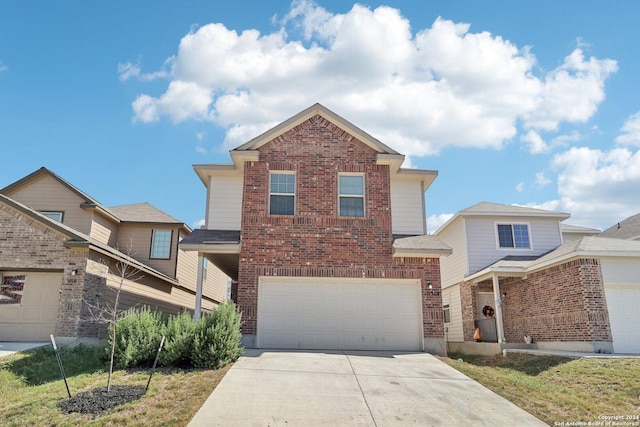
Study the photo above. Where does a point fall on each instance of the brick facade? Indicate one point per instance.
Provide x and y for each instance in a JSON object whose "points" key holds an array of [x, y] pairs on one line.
{"points": [[316, 242], [563, 303], [26, 244]]}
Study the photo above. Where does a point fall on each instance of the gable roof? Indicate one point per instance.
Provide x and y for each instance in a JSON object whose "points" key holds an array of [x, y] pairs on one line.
{"points": [[589, 246], [488, 209], [625, 229], [144, 213], [304, 115], [249, 151], [89, 202], [76, 239], [569, 228]]}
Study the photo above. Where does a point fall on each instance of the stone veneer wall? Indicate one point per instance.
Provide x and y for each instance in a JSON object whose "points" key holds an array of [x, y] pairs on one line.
{"points": [[316, 242]]}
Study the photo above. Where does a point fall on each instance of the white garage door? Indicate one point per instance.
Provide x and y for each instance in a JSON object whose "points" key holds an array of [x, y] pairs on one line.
{"points": [[346, 314], [623, 302], [28, 305]]}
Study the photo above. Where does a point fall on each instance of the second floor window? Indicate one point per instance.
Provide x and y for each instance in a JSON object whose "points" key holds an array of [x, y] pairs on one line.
{"points": [[513, 236], [161, 244], [351, 189], [282, 190]]}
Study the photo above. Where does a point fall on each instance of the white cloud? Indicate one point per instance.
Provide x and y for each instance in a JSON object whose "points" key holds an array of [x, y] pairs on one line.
{"points": [[201, 150], [598, 188], [198, 224], [436, 221], [630, 132], [535, 142], [128, 70], [520, 187], [541, 180], [417, 92]]}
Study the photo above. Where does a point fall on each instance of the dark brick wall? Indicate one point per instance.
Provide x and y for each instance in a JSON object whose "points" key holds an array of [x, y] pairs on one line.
{"points": [[316, 242]]}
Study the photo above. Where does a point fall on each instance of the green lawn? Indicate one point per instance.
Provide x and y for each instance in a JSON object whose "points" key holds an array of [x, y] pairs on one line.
{"points": [[560, 390], [31, 387]]}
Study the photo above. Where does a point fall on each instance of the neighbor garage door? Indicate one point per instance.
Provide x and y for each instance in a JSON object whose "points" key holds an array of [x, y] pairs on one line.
{"points": [[347, 314], [621, 278], [28, 305], [623, 302]]}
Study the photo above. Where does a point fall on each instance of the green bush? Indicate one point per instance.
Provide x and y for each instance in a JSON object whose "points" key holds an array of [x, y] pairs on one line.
{"points": [[217, 338], [211, 342], [178, 345], [138, 335]]}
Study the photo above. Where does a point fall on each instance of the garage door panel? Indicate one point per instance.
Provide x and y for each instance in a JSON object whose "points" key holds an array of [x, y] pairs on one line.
{"points": [[332, 314], [35, 317], [623, 303]]}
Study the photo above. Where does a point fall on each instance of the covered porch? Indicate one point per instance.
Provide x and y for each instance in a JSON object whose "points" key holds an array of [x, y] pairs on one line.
{"points": [[219, 247]]}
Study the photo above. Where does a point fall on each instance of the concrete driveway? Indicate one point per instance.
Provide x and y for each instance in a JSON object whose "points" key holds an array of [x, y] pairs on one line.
{"points": [[277, 388]]}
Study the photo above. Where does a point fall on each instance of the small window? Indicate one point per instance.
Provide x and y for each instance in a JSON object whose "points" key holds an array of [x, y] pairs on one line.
{"points": [[55, 215], [447, 313], [282, 188], [12, 289], [161, 244], [351, 188], [513, 236]]}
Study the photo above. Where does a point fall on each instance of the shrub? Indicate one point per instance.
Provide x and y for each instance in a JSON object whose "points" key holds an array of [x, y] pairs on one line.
{"points": [[178, 345], [138, 335], [217, 338]]}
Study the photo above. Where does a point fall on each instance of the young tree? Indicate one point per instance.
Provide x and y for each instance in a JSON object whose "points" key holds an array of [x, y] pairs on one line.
{"points": [[109, 314]]}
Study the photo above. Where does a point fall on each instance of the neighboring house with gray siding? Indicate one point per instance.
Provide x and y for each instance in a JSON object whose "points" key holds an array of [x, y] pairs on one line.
{"points": [[512, 274], [59, 253]]}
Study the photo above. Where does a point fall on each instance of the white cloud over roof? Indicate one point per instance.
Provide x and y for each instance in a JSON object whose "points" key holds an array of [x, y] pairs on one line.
{"points": [[417, 91]]}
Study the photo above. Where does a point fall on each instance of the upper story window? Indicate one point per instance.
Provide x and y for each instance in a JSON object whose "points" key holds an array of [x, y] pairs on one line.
{"points": [[282, 190], [55, 215], [161, 244], [514, 236], [351, 195]]}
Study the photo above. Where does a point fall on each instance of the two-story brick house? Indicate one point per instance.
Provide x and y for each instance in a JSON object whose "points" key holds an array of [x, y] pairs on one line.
{"points": [[60, 250], [324, 235]]}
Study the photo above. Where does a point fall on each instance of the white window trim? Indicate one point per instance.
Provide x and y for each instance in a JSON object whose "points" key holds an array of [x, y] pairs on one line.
{"points": [[153, 235], [364, 187], [49, 214], [511, 223], [295, 185]]}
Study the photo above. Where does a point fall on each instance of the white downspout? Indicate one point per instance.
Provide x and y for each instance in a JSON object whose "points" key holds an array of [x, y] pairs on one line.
{"points": [[198, 308], [498, 300]]}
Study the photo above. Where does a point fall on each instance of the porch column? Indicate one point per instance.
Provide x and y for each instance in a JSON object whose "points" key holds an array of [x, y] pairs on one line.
{"points": [[498, 299], [198, 308]]}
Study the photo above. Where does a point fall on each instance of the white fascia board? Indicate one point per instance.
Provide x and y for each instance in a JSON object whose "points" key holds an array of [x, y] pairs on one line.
{"points": [[205, 171]]}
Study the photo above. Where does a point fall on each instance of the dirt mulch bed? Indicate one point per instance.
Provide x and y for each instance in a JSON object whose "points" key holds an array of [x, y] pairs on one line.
{"points": [[94, 402]]}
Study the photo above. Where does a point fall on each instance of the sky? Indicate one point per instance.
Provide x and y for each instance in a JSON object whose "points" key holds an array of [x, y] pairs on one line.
{"points": [[528, 103]]}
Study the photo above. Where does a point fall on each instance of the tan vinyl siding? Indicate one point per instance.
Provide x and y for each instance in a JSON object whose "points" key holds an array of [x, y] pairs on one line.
{"points": [[453, 268], [135, 240], [453, 329], [48, 194], [215, 284], [224, 207], [407, 206], [104, 230], [482, 245]]}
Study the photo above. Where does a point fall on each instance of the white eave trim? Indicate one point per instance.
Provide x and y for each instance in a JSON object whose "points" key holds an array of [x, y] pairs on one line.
{"points": [[420, 253], [212, 248]]}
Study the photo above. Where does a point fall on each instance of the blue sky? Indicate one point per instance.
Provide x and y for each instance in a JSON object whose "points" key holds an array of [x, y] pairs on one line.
{"points": [[535, 104]]}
